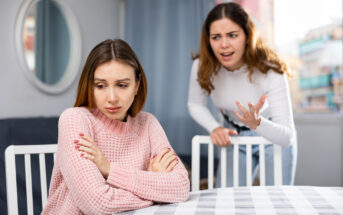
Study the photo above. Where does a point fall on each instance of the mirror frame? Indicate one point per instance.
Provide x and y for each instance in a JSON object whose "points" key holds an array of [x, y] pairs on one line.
{"points": [[74, 63]]}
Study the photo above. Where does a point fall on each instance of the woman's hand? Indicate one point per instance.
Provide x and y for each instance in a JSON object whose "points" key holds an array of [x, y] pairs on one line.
{"points": [[91, 151], [251, 118], [221, 136], [165, 161]]}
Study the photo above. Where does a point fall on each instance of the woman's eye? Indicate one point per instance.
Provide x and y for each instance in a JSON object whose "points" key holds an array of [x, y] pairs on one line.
{"points": [[122, 85], [99, 86], [233, 35], [215, 37]]}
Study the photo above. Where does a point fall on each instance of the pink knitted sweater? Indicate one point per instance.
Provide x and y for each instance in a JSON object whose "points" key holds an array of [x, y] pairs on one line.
{"points": [[77, 186]]}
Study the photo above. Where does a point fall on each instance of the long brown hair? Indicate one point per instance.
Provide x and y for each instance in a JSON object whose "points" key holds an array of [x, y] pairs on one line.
{"points": [[256, 55], [104, 52]]}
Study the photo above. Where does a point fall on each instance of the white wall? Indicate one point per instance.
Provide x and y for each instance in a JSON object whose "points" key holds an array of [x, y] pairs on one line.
{"points": [[98, 20], [320, 150]]}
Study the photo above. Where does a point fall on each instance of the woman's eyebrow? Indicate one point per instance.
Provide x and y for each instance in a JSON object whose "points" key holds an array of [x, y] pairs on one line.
{"points": [[99, 79], [230, 32], [124, 79], [104, 80]]}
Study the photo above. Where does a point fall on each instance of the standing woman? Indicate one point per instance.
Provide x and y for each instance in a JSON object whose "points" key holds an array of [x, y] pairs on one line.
{"points": [[112, 156], [248, 84]]}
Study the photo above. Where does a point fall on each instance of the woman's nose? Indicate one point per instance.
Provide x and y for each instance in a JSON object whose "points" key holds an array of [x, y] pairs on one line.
{"points": [[224, 42], [113, 97]]}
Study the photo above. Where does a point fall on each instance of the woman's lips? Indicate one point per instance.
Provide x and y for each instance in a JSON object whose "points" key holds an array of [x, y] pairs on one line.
{"points": [[227, 56], [112, 109]]}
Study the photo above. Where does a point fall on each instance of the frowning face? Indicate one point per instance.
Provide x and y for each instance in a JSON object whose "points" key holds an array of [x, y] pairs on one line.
{"points": [[228, 41], [115, 87]]}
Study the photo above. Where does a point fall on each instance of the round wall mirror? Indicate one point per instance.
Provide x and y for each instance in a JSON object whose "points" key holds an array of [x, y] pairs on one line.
{"points": [[48, 44]]}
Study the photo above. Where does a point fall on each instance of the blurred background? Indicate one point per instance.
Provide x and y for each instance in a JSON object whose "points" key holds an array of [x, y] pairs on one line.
{"points": [[45, 44]]}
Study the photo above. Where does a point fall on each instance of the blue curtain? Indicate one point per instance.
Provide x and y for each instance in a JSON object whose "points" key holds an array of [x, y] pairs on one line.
{"points": [[52, 42], [163, 33]]}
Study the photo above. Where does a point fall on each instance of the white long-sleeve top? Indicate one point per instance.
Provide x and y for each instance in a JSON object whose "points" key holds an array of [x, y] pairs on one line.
{"points": [[232, 86]]}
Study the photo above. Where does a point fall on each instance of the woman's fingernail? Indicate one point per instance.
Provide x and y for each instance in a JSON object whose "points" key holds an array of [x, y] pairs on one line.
{"points": [[153, 156], [76, 147], [81, 154], [76, 141], [81, 134]]}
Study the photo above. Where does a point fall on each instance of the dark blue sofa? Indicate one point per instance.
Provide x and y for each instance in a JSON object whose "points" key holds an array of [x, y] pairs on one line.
{"points": [[25, 131]]}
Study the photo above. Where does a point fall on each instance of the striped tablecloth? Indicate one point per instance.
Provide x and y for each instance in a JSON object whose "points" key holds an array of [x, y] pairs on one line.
{"points": [[256, 200]]}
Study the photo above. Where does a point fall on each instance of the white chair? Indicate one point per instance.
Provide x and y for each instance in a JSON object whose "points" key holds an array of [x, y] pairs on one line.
{"points": [[11, 181], [236, 141]]}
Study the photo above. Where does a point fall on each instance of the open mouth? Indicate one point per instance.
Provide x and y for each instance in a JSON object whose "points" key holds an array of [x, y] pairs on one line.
{"points": [[227, 54]]}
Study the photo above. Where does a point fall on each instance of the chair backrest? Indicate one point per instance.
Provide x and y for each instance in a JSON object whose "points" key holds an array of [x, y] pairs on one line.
{"points": [[236, 141], [11, 180]]}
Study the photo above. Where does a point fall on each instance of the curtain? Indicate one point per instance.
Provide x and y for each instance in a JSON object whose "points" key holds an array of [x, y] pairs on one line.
{"points": [[163, 33]]}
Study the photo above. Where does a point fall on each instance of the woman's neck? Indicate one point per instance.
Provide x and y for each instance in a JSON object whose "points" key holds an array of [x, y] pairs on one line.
{"points": [[234, 68]]}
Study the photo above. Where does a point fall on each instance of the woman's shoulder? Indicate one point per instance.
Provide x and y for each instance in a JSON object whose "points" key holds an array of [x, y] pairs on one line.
{"points": [[273, 75], [195, 67], [271, 72], [147, 119], [274, 80], [195, 63], [145, 116], [76, 112], [273, 68]]}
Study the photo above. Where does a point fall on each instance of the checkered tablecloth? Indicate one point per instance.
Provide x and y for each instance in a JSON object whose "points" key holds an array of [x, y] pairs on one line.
{"points": [[256, 200]]}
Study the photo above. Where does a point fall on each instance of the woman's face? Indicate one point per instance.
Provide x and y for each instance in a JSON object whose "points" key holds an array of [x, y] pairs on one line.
{"points": [[228, 41], [115, 88]]}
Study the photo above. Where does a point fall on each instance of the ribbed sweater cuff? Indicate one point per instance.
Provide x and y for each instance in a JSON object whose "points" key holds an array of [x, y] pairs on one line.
{"points": [[120, 176]]}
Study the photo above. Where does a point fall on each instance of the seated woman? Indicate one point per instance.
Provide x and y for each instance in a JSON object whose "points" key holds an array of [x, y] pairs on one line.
{"points": [[111, 156]]}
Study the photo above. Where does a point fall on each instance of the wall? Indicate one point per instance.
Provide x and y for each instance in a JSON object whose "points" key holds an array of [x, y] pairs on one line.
{"points": [[98, 21], [320, 150]]}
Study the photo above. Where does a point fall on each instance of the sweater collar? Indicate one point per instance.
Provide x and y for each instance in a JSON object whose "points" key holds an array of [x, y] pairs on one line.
{"points": [[116, 126]]}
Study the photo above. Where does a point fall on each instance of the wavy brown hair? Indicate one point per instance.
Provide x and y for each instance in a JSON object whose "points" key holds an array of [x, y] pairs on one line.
{"points": [[106, 51], [256, 55]]}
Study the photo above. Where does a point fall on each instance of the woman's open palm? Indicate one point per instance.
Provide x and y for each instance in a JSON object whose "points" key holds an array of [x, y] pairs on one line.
{"points": [[251, 117]]}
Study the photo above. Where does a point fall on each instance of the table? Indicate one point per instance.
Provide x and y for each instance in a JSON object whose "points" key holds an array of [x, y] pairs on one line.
{"points": [[255, 200]]}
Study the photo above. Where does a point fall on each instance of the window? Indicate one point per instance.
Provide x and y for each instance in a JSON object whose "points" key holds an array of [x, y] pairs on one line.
{"points": [[308, 35]]}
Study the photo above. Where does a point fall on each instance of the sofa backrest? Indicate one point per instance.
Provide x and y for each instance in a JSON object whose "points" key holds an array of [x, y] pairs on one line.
{"points": [[25, 131]]}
